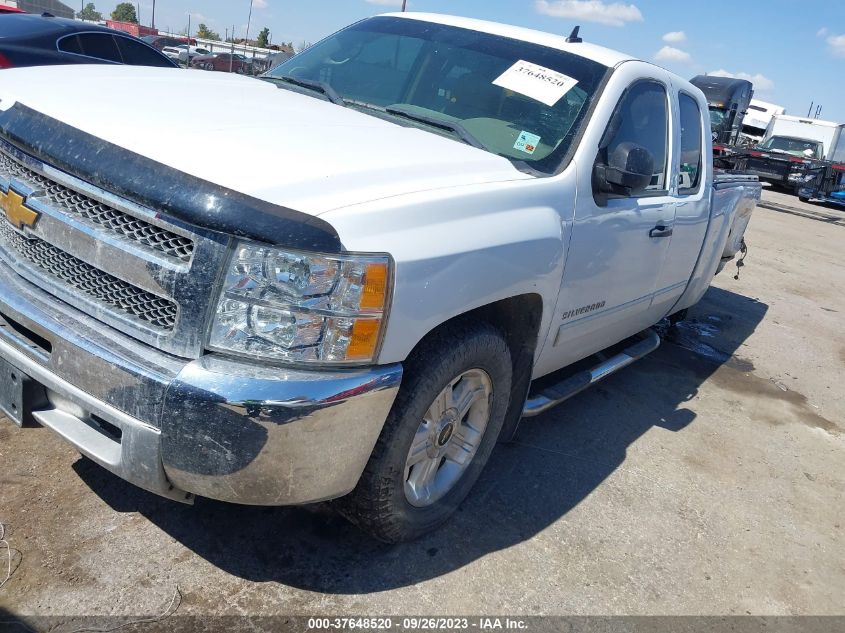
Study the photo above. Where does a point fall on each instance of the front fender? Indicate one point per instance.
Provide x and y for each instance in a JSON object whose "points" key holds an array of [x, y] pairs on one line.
{"points": [[463, 248]]}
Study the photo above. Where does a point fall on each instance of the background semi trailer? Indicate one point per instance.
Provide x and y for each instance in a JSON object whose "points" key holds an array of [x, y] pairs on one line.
{"points": [[757, 120], [728, 100]]}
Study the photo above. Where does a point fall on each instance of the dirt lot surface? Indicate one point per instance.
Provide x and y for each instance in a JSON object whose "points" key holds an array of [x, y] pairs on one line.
{"points": [[706, 479]]}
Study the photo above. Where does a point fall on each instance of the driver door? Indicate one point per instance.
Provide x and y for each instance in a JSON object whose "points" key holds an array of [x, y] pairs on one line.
{"points": [[619, 245]]}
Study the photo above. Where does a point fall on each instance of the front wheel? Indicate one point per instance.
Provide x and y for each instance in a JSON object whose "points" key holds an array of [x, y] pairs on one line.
{"points": [[438, 435]]}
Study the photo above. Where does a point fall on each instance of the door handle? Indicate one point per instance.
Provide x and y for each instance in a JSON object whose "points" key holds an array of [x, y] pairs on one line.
{"points": [[660, 231]]}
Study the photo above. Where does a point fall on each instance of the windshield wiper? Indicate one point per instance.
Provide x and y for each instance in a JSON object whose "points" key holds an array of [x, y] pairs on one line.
{"points": [[452, 126], [311, 84]]}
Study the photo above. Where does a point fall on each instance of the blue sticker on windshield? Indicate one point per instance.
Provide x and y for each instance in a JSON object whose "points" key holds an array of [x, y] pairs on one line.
{"points": [[527, 142]]}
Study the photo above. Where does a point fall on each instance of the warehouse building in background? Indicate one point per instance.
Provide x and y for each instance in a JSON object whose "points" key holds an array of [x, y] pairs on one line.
{"points": [[59, 9]]}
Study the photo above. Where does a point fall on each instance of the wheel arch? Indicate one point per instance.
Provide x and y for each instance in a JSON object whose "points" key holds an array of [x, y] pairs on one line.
{"points": [[518, 318]]}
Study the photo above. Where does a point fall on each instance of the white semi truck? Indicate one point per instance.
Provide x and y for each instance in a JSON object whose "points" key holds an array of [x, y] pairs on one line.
{"points": [[757, 119]]}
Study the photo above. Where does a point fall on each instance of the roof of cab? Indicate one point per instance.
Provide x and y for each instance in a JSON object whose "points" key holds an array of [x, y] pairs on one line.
{"points": [[599, 54]]}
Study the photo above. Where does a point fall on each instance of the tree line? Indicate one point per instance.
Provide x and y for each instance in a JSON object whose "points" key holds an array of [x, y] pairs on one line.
{"points": [[125, 12]]}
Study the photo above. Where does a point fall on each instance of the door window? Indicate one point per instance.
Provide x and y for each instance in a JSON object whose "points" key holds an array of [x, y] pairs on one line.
{"points": [[139, 54], [98, 45], [642, 117], [690, 158]]}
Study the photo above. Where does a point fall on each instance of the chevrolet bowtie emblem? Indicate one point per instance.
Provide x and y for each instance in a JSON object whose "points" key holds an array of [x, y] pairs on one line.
{"points": [[17, 213]]}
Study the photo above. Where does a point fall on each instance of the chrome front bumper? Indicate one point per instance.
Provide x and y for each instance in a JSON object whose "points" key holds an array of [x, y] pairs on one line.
{"points": [[214, 427]]}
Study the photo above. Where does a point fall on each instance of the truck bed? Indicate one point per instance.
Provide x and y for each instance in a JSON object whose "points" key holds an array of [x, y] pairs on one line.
{"points": [[735, 194]]}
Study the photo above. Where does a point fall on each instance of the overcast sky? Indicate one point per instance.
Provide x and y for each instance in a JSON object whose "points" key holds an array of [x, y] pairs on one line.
{"points": [[794, 52]]}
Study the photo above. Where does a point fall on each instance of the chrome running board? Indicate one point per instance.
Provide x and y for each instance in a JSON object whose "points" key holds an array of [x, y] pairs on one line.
{"points": [[555, 394]]}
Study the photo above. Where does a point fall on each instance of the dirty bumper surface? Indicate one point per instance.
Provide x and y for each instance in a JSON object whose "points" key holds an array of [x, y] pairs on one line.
{"points": [[721, 492]]}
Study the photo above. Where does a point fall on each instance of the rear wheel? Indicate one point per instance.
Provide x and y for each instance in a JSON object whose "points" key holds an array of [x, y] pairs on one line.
{"points": [[438, 435]]}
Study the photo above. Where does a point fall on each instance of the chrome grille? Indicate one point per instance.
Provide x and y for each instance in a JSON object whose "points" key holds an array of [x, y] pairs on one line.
{"points": [[112, 292], [142, 272], [77, 204]]}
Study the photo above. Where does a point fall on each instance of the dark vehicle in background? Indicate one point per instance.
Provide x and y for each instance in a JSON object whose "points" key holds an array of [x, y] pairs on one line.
{"points": [[271, 61], [825, 181], [782, 161], [799, 147], [728, 100], [223, 62], [794, 152], [39, 40], [266, 64], [158, 42]]}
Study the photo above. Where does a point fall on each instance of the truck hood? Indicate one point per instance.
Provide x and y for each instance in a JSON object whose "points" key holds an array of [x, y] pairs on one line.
{"points": [[248, 135]]}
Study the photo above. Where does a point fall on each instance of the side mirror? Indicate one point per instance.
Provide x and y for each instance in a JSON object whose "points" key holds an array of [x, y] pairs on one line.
{"points": [[628, 171]]}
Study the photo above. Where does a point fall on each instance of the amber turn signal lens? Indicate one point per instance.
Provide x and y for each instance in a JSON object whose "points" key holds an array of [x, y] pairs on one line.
{"points": [[364, 339], [374, 293]]}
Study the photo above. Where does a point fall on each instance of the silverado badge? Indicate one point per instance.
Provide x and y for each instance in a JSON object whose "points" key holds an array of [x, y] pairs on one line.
{"points": [[17, 213]]}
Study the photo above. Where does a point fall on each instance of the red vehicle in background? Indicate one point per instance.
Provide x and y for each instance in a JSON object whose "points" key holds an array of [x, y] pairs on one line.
{"points": [[223, 62], [10, 10]]}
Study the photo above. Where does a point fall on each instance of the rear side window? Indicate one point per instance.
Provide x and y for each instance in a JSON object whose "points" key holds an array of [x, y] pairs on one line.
{"points": [[71, 44], [98, 45], [138, 54], [642, 117], [690, 168]]}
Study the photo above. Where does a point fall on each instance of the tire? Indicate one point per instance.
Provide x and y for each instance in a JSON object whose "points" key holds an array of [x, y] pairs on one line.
{"points": [[385, 503], [803, 199]]}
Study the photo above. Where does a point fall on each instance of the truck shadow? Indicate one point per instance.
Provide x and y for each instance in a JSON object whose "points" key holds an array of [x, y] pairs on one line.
{"points": [[556, 460]]}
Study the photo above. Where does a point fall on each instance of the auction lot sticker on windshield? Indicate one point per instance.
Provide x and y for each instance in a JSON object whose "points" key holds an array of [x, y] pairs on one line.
{"points": [[541, 84]]}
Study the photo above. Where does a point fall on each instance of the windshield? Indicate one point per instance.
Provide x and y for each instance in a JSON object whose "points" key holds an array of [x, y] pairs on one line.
{"points": [[718, 119], [516, 99], [793, 146]]}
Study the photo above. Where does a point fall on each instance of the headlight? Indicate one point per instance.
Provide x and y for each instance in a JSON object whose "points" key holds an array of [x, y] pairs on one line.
{"points": [[285, 305]]}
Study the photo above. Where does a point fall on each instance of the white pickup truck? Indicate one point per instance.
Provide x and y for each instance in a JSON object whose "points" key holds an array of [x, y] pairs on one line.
{"points": [[342, 281]]}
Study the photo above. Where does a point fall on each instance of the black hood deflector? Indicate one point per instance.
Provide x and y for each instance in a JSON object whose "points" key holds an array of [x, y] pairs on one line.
{"points": [[162, 188]]}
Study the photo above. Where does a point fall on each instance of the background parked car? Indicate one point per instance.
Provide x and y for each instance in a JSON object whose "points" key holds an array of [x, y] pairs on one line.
{"points": [[158, 42], [223, 62], [171, 52], [187, 52], [266, 64], [40, 40]]}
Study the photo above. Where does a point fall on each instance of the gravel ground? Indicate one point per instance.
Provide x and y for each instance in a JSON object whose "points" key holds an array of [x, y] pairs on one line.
{"points": [[706, 479]]}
